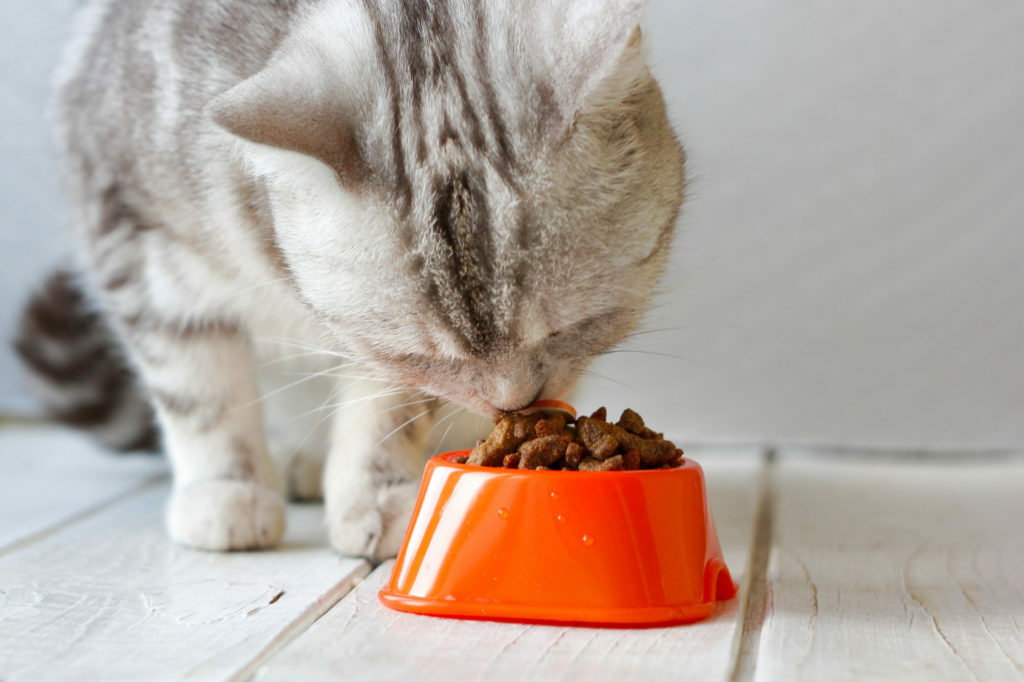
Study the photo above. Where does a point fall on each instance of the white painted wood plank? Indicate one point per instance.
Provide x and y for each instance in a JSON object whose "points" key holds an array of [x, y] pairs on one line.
{"points": [[361, 639], [49, 475], [111, 598], [895, 570]]}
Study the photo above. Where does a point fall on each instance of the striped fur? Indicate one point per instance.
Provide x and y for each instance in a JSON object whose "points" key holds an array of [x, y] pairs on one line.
{"points": [[467, 198], [78, 371]]}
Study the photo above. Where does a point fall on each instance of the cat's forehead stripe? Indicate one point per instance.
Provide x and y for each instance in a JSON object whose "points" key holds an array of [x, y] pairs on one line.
{"points": [[506, 156], [404, 186], [432, 74], [427, 75]]}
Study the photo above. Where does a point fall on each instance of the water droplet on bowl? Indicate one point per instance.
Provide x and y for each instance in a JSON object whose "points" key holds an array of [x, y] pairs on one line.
{"points": [[503, 513], [554, 496], [587, 540], [560, 517], [449, 597]]}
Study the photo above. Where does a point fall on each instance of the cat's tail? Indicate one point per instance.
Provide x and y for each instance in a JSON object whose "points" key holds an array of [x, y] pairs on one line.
{"points": [[78, 370]]}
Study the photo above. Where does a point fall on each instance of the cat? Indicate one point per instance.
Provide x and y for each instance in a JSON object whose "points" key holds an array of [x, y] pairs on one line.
{"points": [[419, 205]]}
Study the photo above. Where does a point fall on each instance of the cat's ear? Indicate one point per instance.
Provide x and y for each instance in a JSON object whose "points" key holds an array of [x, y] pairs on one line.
{"points": [[291, 105], [598, 50]]}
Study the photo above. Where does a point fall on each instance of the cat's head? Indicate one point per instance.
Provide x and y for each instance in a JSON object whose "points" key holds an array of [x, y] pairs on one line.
{"points": [[475, 197]]}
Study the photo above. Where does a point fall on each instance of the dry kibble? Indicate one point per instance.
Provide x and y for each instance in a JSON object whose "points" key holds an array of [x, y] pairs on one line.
{"points": [[611, 464], [600, 438], [573, 455], [552, 426], [541, 452], [543, 443], [652, 452], [633, 423], [631, 460], [510, 431], [461, 459]]}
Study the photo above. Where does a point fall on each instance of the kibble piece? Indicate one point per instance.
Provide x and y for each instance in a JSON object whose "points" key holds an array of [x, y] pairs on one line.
{"points": [[611, 464], [652, 452], [541, 452], [461, 459], [524, 425], [551, 426], [511, 461], [600, 414], [600, 438], [509, 433], [573, 455], [631, 460], [633, 423]]}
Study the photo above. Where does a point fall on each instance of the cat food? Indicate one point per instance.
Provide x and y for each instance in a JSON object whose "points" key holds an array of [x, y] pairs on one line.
{"points": [[538, 441]]}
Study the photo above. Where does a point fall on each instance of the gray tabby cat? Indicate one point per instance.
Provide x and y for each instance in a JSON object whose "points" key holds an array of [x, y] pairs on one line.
{"points": [[465, 200]]}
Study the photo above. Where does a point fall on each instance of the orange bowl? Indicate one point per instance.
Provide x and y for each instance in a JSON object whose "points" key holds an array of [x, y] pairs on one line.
{"points": [[615, 548]]}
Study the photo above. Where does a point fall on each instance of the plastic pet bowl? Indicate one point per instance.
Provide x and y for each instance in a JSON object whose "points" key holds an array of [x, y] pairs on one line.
{"points": [[612, 548]]}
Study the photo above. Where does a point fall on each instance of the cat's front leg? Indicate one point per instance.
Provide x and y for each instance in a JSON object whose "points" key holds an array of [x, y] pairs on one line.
{"points": [[226, 495], [374, 467]]}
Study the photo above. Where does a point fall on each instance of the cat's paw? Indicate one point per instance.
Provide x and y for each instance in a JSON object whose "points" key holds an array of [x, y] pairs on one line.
{"points": [[225, 514], [304, 477], [372, 525]]}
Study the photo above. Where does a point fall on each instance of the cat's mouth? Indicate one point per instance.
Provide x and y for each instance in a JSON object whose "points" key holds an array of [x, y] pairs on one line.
{"points": [[489, 388], [473, 393]]}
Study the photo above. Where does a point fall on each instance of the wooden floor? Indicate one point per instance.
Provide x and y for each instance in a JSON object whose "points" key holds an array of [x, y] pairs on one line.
{"points": [[855, 566]]}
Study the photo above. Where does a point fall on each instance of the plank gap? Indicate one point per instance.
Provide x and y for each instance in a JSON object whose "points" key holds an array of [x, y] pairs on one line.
{"points": [[306, 619], [754, 591], [889, 570], [84, 515]]}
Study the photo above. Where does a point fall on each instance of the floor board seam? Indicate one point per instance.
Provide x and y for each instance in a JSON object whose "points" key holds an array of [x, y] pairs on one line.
{"points": [[304, 622], [84, 515], [754, 592]]}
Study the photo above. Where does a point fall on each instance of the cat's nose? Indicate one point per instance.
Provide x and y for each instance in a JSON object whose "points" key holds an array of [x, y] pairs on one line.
{"points": [[509, 396], [513, 408]]}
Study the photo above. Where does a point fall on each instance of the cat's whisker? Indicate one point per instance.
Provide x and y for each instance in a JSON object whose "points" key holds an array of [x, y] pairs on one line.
{"points": [[765, 333], [406, 404], [297, 356], [333, 410], [293, 343], [658, 354], [355, 377], [281, 389], [312, 429], [351, 401], [660, 330], [455, 408], [458, 410], [590, 372], [334, 366], [400, 427]]}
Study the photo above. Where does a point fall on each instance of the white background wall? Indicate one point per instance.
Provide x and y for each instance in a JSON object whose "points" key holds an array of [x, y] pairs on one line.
{"points": [[851, 262]]}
